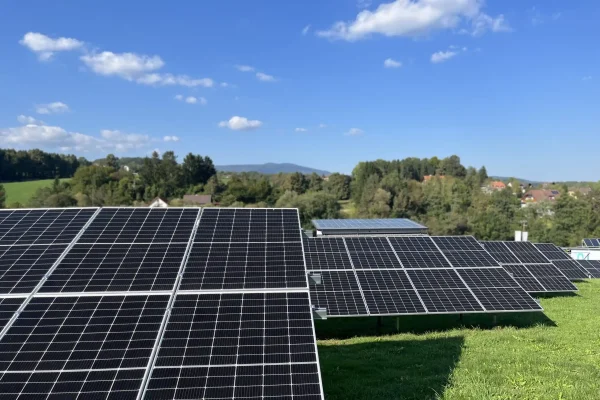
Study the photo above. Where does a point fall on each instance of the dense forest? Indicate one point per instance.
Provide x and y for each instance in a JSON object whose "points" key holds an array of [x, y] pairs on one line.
{"points": [[450, 202]]}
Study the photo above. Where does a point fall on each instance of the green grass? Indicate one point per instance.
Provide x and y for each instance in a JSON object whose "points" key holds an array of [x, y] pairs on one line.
{"points": [[555, 355], [22, 191]]}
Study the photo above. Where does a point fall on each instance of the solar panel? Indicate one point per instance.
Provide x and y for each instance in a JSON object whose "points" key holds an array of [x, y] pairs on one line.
{"points": [[23, 267], [456, 243], [524, 278], [324, 245], [248, 225], [464, 252], [526, 252], [571, 269], [388, 225], [591, 242], [266, 340], [141, 225], [500, 252], [506, 299], [117, 267], [487, 278], [591, 266], [8, 307], [371, 253], [339, 293], [389, 292], [42, 226], [418, 252], [551, 278], [552, 252]]}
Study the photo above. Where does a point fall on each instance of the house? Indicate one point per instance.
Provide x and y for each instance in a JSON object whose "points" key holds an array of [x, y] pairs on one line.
{"points": [[497, 185], [540, 195], [126, 168], [197, 199], [427, 178], [158, 203], [583, 191]]}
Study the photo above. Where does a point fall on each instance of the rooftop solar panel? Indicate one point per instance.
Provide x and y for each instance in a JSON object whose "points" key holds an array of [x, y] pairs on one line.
{"points": [[338, 293], [117, 267], [141, 225], [264, 339], [42, 226], [22, 268], [389, 225], [500, 252], [591, 266], [526, 252]]}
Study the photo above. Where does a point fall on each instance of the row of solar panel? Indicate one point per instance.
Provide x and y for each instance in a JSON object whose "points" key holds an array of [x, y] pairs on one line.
{"points": [[213, 346], [591, 242]]}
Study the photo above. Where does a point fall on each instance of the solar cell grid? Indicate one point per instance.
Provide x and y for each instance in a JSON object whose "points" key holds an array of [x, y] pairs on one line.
{"points": [[428, 259], [141, 225], [413, 243], [8, 307], [591, 242], [236, 265], [435, 279], [383, 280], [526, 252], [551, 278], [371, 253], [552, 252], [500, 252], [449, 301], [324, 245], [248, 225], [23, 267], [79, 333], [249, 328], [571, 269], [319, 261], [67, 385], [117, 267], [389, 292], [524, 278], [43, 226], [338, 293], [270, 381], [487, 278], [506, 299], [470, 259], [456, 243], [591, 266], [387, 223]]}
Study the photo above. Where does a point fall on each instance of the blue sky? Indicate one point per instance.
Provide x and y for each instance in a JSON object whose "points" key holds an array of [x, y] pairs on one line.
{"points": [[512, 85]]}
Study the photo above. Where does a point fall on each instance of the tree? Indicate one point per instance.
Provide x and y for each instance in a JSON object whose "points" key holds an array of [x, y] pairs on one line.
{"points": [[451, 166], [380, 207], [311, 205], [197, 169], [339, 186], [315, 182], [112, 161], [2, 196], [296, 182], [482, 173]]}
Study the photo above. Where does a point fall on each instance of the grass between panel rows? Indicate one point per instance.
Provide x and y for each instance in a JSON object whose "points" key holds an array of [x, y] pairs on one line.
{"points": [[554, 355]]}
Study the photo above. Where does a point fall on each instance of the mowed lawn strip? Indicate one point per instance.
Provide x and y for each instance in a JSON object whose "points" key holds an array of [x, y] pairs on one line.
{"points": [[523, 356]]}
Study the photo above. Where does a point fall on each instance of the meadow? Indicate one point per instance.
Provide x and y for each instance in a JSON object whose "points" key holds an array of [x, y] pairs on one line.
{"points": [[21, 192], [550, 355]]}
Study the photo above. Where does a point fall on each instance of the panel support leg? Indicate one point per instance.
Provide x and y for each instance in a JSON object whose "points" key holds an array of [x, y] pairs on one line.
{"points": [[460, 317], [398, 324], [379, 324], [495, 320]]}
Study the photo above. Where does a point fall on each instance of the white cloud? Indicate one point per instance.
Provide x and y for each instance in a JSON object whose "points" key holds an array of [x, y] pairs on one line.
{"points": [[139, 68], [363, 4], [227, 85], [354, 132], [301, 130], [171, 139], [587, 78], [26, 120], [179, 97], [484, 22], [322, 126], [57, 138], [413, 18], [442, 56], [45, 47], [240, 124], [56, 107], [305, 30], [191, 99], [265, 77], [390, 63], [244, 68]]}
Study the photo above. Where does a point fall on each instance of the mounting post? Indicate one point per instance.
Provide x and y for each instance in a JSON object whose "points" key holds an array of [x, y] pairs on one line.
{"points": [[495, 319], [398, 324], [460, 317]]}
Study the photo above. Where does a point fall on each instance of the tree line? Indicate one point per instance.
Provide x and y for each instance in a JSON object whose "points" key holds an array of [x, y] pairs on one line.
{"points": [[443, 194], [21, 165]]}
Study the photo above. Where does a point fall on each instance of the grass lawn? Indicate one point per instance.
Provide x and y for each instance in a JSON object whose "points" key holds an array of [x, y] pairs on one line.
{"points": [[22, 191], [555, 355]]}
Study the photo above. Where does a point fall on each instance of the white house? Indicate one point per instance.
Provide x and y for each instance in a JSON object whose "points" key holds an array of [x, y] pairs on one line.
{"points": [[158, 202]]}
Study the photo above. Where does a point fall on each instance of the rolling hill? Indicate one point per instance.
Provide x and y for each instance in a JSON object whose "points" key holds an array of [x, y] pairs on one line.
{"points": [[271, 168]]}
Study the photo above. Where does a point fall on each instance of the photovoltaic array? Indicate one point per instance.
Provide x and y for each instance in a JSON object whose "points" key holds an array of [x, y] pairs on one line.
{"points": [[398, 275], [529, 266], [591, 242], [98, 304], [561, 260]]}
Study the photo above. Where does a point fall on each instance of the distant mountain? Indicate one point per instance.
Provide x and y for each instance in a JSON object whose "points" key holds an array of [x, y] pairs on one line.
{"points": [[271, 168], [506, 179]]}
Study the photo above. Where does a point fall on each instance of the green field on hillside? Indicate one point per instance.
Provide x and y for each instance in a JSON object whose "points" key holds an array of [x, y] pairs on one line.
{"points": [[22, 191], [555, 355]]}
